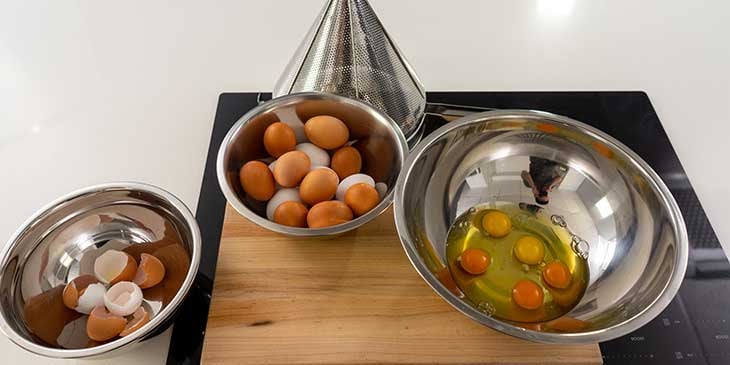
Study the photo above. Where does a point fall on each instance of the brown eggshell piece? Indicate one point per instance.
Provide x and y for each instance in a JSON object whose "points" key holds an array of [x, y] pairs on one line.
{"points": [[75, 288], [291, 213], [326, 132], [279, 139], [103, 325], [177, 262], [139, 319], [318, 185], [150, 271], [46, 315], [346, 161], [328, 213], [257, 180], [291, 168]]}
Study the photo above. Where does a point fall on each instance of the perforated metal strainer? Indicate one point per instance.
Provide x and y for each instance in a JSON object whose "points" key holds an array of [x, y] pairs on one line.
{"points": [[348, 52]]}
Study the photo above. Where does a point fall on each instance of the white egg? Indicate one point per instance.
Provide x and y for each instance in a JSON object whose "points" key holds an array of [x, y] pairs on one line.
{"points": [[271, 166], [317, 156], [93, 296], [283, 195], [350, 181], [382, 189], [123, 298]]}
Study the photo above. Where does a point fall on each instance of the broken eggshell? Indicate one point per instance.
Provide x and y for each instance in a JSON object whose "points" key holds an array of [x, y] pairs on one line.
{"points": [[123, 298], [103, 325], [139, 319], [114, 266], [149, 272]]}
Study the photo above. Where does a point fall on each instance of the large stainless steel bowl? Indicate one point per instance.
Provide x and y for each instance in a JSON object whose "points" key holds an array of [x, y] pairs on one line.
{"points": [[62, 239], [382, 158], [610, 198]]}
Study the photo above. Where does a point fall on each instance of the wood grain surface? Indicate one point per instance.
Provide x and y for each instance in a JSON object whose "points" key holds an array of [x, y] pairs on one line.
{"points": [[353, 299]]}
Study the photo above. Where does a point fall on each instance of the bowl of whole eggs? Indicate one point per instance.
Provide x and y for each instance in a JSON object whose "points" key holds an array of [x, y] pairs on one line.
{"points": [[98, 270], [311, 164]]}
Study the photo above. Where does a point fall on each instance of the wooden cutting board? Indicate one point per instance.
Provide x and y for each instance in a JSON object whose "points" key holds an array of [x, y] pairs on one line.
{"points": [[353, 299]]}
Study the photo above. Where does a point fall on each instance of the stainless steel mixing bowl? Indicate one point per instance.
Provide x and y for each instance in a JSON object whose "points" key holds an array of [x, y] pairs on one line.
{"points": [[620, 212], [62, 239], [383, 151]]}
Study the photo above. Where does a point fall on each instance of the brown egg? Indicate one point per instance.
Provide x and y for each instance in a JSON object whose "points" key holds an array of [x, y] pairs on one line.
{"points": [[291, 168], [361, 197], [346, 161], [326, 132], [75, 288], [279, 139], [114, 266], [293, 214], [102, 325], [149, 272], [257, 180], [139, 319], [319, 185], [328, 213]]}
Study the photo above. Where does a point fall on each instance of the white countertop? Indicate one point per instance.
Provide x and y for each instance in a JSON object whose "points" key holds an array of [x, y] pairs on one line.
{"points": [[95, 91]]}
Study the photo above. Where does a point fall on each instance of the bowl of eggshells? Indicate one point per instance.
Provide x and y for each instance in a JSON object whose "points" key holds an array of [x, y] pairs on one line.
{"points": [[311, 164], [98, 270]]}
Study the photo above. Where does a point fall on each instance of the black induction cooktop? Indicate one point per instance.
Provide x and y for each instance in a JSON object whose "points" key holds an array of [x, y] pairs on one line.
{"points": [[695, 327]]}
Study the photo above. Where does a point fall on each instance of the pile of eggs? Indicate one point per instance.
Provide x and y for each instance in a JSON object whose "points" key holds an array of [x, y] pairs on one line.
{"points": [[314, 184], [112, 297]]}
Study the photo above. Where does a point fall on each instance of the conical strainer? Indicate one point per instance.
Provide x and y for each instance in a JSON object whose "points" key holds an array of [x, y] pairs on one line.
{"points": [[348, 52]]}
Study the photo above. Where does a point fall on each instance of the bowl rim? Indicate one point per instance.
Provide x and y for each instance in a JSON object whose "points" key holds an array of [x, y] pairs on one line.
{"points": [[270, 105], [628, 325], [149, 327]]}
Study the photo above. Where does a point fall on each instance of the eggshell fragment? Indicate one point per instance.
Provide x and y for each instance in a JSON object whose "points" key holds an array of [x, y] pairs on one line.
{"points": [[123, 298], [103, 325], [361, 198], [74, 288], [346, 161], [352, 180], [257, 180], [317, 156], [279, 139], [293, 214], [291, 168], [149, 272], [328, 213], [114, 266], [139, 319], [91, 297], [283, 195], [326, 131], [319, 185]]}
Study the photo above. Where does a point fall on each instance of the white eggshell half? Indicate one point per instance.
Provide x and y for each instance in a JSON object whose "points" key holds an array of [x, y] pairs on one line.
{"points": [[123, 298], [350, 181], [317, 156], [93, 296], [382, 189], [283, 195]]}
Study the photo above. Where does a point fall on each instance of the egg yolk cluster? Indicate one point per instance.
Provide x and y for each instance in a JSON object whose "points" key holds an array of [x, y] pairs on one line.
{"points": [[528, 250], [315, 180]]}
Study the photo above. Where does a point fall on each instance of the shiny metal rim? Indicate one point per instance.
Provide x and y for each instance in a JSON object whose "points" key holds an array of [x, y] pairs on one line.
{"points": [[618, 330]]}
